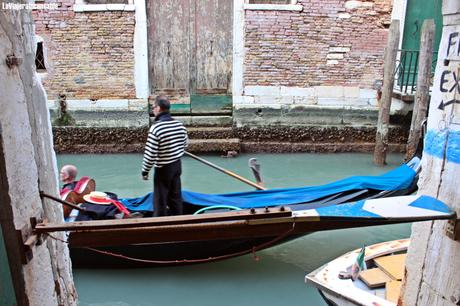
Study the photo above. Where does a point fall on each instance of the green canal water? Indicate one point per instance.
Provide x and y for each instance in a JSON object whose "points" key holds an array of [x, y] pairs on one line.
{"points": [[276, 278]]}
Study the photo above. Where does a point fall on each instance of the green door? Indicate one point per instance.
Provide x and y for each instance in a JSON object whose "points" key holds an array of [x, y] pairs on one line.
{"points": [[7, 295], [417, 12]]}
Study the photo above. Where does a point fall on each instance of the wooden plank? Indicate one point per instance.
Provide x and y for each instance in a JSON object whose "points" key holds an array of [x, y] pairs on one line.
{"points": [[393, 290], [169, 45], [393, 265], [213, 26], [177, 233], [374, 278], [165, 221]]}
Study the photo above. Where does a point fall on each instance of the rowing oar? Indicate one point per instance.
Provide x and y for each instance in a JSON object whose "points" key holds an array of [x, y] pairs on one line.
{"points": [[225, 171], [74, 206]]}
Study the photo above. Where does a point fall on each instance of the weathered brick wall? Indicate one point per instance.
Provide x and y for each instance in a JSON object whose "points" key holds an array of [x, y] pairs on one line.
{"points": [[89, 55], [328, 43]]}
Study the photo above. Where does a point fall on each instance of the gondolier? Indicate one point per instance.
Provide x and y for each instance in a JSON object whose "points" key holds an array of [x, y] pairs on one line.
{"points": [[165, 146]]}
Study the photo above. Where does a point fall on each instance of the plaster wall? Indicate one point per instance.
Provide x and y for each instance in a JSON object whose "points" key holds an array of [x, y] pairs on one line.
{"points": [[433, 258], [30, 160]]}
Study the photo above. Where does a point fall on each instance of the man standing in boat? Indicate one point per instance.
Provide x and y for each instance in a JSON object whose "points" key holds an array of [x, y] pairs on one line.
{"points": [[165, 146]]}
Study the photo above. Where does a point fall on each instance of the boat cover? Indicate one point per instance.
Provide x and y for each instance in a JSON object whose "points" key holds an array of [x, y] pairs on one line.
{"points": [[396, 179]]}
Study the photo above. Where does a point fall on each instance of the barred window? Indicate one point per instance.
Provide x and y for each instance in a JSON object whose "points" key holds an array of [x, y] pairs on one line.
{"points": [[40, 58]]}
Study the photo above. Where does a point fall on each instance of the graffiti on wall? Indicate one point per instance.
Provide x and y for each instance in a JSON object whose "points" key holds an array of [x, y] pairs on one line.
{"points": [[443, 136]]}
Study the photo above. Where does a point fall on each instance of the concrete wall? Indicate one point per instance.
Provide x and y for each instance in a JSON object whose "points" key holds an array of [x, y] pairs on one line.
{"points": [[433, 259], [29, 166]]}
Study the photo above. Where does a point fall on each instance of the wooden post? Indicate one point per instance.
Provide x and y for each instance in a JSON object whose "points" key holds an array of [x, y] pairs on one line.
{"points": [[381, 138], [433, 258], [422, 95], [12, 244]]}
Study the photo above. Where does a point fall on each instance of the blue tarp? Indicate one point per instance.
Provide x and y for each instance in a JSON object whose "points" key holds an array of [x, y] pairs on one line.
{"points": [[399, 178]]}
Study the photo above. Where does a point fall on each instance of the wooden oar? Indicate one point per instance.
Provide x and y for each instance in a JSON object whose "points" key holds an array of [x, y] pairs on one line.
{"points": [[74, 206], [238, 177]]}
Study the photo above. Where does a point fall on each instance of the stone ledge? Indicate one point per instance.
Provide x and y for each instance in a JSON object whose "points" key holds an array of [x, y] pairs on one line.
{"points": [[313, 147], [214, 145]]}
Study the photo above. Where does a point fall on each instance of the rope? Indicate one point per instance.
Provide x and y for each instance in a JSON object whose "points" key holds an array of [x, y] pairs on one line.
{"points": [[56, 238], [253, 250]]}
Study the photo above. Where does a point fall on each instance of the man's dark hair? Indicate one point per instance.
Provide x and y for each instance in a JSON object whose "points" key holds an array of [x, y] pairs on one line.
{"points": [[163, 103]]}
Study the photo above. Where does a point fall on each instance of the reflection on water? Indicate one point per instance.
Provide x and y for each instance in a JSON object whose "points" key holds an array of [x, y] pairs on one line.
{"points": [[277, 278]]}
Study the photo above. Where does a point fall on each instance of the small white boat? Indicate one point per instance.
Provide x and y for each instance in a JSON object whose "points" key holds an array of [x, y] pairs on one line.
{"points": [[379, 284]]}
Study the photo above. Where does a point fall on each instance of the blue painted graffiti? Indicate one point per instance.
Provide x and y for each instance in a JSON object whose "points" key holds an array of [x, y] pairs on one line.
{"points": [[435, 144]]}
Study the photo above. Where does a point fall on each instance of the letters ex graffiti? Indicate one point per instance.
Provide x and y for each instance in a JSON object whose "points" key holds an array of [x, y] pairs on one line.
{"points": [[449, 84]]}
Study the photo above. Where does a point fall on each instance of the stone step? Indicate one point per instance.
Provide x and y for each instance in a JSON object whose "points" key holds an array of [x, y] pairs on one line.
{"points": [[204, 121], [210, 132], [214, 145]]}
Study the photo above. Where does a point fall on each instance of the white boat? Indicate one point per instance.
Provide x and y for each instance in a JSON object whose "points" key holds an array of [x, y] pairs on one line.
{"points": [[379, 284]]}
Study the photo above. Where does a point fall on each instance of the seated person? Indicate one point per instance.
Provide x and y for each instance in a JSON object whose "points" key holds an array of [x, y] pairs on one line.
{"points": [[73, 190], [68, 175]]}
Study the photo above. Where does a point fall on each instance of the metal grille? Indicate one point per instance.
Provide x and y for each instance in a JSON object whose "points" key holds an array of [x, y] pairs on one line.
{"points": [[406, 71]]}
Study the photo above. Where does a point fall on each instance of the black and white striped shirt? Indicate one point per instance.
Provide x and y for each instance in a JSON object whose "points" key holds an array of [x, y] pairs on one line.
{"points": [[166, 143]]}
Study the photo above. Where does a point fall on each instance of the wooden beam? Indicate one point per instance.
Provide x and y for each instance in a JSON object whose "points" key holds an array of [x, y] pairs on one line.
{"points": [[12, 243], [260, 213], [381, 144]]}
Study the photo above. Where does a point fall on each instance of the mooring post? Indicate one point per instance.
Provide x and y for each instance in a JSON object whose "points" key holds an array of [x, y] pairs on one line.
{"points": [[422, 96], [381, 138], [433, 258]]}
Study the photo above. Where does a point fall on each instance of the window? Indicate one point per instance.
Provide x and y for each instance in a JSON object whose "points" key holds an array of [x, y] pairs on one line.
{"points": [[40, 58]]}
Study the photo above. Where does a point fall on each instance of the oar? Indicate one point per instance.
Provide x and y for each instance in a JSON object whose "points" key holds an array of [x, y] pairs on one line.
{"points": [[74, 206], [225, 171]]}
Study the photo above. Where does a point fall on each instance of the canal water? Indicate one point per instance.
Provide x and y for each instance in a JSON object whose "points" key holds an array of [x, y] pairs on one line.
{"points": [[274, 278]]}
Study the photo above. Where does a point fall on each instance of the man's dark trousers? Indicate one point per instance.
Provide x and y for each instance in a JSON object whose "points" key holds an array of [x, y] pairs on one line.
{"points": [[167, 190]]}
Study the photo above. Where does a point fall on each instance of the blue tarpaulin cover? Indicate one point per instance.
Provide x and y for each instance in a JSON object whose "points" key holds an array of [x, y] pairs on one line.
{"points": [[399, 178]]}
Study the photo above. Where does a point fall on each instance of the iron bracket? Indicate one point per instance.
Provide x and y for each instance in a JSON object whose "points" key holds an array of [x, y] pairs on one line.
{"points": [[28, 239], [453, 228], [12, 60]]}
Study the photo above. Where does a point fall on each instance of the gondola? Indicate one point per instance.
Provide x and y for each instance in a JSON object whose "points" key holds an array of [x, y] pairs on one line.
{"points": [[246, 222]]}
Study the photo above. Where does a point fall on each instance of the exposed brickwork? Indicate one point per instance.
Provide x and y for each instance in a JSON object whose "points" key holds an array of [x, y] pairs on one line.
{"points": [[89, 55], [330, 42]]}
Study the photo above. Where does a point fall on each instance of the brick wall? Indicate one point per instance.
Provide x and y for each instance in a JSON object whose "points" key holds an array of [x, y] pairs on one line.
{"points": [[328, 43], [89, 54]]}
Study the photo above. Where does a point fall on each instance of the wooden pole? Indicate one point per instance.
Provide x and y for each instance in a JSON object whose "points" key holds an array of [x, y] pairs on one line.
{"points": [[238, 177], [11, 241], [381, 144], [433, 259], [422, 95]]}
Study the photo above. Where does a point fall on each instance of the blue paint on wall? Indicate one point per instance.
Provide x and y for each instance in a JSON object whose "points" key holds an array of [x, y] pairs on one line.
{"points": [[435, 144]]}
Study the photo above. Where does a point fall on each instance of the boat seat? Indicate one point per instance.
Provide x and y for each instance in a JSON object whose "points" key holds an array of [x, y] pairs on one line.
{"points": [[84, 186]]}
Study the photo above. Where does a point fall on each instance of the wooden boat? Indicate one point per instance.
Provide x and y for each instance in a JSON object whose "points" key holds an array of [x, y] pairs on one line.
{"points": [[379, 284], [265, 218]]}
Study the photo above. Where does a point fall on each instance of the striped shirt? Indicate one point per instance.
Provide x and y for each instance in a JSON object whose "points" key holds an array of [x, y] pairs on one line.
{"points": [[166, 143]]}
